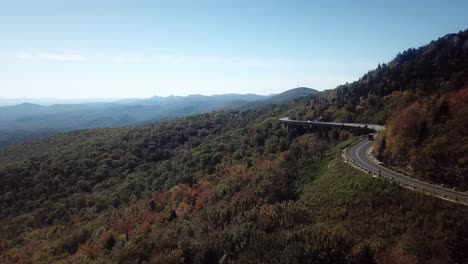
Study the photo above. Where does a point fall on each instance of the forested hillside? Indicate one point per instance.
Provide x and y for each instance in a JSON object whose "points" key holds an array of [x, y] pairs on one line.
{"points": [[421, 97], [430, 139], [235, 187], [26, 121], [227, 186], [437, 68]]}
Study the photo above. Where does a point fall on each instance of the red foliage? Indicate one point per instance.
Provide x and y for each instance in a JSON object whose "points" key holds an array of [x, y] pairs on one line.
{"points": [[203, 194], [244, 197], [240, 171], [167, 257], [244, 201], [124, 225], [147, 218], [161, 200], [76, 219], [263, 164], [200, 188], [32, 246], [398, 256], [90, 249], [286, 156], [459, 98], [183, 209], [266, 217], [426, 136]]}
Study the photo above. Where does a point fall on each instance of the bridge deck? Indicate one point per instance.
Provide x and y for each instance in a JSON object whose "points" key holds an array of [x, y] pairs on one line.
{"points": [[374, 127]]}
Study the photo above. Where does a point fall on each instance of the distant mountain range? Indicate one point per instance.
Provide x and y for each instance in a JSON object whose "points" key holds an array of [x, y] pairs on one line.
{"points": [[28, 120], [235, 187], [291, 95], [53, 101]]}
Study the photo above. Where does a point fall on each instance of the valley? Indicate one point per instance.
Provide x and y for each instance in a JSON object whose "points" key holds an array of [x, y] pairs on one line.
{"points": [[370, 168]]}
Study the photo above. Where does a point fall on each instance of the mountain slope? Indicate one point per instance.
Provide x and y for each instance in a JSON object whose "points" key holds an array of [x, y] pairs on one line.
{"points": [[429, 138], [28, 120], [291, 95], [223, 187], [436, 68], [78, 116], [420, 96], [231, 186]]}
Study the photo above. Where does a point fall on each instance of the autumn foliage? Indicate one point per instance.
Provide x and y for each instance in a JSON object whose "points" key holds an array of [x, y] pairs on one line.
{"points": [[429, 138], [237, 187]]}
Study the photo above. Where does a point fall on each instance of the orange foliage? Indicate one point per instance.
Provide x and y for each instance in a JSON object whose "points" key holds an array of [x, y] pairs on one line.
{"points": [[16, 255], [286, 156], [124, 225], [183, 209], [167, 257], [161, 200], [262, 164], [76, 219], [203, 193], [185, 198], [244, 201], [459, 98], [139, 215], [147, 219], [402, 131], [426, 135], [90, 249], [266, 217], [240, 171], [32, 246], [397, 256]]}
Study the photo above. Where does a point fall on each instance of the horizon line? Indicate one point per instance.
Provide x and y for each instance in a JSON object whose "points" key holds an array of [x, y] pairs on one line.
{"points": [[144, 97]]}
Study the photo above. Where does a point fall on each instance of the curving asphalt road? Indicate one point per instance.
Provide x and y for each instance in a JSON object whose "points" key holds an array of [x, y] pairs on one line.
{"points": [[358, 157], [356, 154]]}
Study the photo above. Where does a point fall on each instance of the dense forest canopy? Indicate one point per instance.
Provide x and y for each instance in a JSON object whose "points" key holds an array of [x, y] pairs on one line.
{"points": [[26, 121], [437, 68], [430, 139], [421, 97], [236, 187]]}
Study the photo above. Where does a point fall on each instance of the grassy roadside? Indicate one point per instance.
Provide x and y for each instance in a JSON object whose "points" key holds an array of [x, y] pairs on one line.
{"points": [[387, 220]]}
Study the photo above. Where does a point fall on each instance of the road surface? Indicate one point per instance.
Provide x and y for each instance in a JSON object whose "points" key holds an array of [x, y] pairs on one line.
{"points": [[357, 154], [357, 157]]}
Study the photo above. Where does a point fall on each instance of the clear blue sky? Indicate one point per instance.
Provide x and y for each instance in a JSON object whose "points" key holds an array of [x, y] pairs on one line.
{"points": [[102, 49]]}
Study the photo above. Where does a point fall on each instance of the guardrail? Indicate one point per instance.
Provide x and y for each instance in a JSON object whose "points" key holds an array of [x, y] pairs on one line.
{"points": [[352, 163]]}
